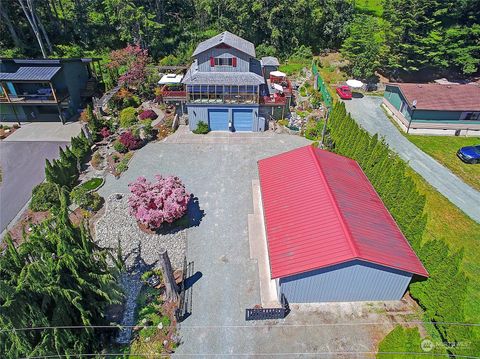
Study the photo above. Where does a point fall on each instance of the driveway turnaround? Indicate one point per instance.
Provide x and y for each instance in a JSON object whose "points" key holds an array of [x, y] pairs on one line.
{"points": [[368, 113], [23, 167], [220, 175]]}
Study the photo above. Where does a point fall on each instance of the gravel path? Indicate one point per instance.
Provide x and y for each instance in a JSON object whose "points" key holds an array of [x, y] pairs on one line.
{"points": [[138, 247]]}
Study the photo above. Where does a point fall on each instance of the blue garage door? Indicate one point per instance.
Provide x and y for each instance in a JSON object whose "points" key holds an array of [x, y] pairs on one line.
{"points": [[218, 120], [243, 120]]}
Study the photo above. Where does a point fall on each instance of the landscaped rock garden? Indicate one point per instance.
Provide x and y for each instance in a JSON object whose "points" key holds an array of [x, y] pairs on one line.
{"points": [[118, 227]]}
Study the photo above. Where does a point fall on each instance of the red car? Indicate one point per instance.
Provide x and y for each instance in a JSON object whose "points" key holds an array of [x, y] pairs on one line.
{"points": [[344, 92]]}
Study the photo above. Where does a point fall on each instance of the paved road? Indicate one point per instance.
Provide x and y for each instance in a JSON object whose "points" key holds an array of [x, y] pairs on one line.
{"points": [[220, 174], [368, 113], [23, 165]]}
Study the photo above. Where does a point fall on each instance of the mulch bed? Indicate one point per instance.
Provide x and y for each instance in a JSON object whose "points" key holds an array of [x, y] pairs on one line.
{"points": [[27, 219]]}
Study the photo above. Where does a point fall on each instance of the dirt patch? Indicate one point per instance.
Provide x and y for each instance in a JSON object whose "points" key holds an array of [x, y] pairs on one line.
{"points": [[23, 227]]}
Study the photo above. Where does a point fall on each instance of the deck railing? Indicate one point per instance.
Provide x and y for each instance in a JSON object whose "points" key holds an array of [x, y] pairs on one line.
{"points": [[34, 98], [279, 100]]}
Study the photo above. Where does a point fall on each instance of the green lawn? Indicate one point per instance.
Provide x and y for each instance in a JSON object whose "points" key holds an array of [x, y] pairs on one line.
{"points": [[444, 149], [294, 66], [92, 183], [372, 7], [448, 223]]}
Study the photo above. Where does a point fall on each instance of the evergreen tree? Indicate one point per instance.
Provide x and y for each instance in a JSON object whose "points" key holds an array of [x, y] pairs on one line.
{"points": [[56, 277]]}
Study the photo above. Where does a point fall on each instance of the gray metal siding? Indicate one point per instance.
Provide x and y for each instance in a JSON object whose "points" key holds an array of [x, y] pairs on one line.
{"points": [[346, 282], [243, 60], [198, 113]]}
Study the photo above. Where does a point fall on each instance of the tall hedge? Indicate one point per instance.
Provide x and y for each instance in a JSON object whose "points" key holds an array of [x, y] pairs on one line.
{"points": [[443, 294]]}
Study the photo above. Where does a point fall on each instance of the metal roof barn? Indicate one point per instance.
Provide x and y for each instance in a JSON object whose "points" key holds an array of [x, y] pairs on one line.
{"points": [[329, 235]]}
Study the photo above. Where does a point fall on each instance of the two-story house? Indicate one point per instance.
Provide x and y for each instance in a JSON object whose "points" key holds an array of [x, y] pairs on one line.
{"points": [[227, 87], [46, 89]]}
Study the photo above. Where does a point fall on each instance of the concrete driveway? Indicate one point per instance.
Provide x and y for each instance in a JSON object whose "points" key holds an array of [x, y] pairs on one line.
{"points": [[220, 175], [23, 167], [22, 160], [368, 113]]}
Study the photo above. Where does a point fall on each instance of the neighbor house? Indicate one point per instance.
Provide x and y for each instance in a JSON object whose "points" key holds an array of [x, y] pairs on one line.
{"points": [[229, 89], [436, 109], [329, 236], [46, 89]]}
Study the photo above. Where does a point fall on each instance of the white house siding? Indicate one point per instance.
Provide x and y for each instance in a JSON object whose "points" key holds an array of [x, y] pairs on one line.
{"points": [[348, 282], [243, 60]]}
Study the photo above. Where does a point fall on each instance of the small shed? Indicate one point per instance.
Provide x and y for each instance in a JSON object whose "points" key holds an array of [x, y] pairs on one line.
{"points": [[329, 236], [269, 64]]}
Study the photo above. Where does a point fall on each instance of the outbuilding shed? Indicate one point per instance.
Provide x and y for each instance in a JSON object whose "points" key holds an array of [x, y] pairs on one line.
{"points": [[436, 109], [329, 236]]}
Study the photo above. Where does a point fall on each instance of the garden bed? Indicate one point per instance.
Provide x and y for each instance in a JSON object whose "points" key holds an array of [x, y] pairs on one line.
{"points": [[92, 184], [27, 220], [117, 227]]}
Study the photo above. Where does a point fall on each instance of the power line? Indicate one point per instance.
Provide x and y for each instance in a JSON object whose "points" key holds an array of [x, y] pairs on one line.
{"points": [[159, 355], [272, 326]]}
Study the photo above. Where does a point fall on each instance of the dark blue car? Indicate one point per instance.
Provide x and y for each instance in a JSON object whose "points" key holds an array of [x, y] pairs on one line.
{"points": [[469, 154]]}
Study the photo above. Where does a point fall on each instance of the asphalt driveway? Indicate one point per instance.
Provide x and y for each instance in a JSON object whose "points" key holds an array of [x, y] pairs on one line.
{"points": [[220, 175], [368, 113], [23, 167]]}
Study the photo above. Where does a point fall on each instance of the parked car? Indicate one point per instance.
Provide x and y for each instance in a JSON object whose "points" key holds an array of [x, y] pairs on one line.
{"points": [[344, 92], [469, 154]]}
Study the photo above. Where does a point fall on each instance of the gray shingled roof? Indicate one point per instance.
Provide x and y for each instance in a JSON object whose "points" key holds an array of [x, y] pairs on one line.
{"points": [[30, 74], [229, 39], [222, 78], [270, 61]]}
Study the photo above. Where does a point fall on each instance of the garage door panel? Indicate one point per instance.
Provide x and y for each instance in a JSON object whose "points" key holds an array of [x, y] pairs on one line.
{"points": [[218, 120], [243, 120]]}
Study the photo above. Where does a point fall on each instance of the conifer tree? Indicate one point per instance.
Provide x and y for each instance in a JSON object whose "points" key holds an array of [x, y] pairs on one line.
{"points": [[56, 277]]}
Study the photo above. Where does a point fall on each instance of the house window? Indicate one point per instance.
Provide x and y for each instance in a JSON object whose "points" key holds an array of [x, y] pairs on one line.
{"points": [[223, 61]]}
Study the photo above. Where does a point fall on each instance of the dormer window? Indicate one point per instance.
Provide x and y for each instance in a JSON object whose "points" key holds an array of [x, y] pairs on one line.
{"points": [[223, 61]]}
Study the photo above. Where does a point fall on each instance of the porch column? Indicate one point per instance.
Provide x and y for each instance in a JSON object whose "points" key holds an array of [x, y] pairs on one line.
{"points": [[57, 103]]}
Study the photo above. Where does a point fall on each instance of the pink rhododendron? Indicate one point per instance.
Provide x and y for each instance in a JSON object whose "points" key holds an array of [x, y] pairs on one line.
{"points": [[153, 203]]}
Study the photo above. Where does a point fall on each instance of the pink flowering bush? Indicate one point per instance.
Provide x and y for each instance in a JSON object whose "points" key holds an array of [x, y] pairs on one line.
{"points": [[154, 203], [129, 140], [148, 114]]}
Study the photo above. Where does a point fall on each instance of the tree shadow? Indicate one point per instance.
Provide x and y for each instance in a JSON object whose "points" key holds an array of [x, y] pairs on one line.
{"points": [[192, 218]]}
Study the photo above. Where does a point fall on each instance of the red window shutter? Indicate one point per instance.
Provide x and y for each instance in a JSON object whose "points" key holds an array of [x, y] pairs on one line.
{"points": [[234, 62], [212, 61]]}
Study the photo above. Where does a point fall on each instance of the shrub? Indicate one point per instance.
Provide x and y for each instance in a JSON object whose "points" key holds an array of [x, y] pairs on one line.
{"points": [[44, 197], [63, 171], [129, 140], [105, 132], [86, 200], [80, 146], [127, 117], [153, 204], [96, 159], [202, 128], [133, 101], [119, 147], [283, 122], [148, 114]]}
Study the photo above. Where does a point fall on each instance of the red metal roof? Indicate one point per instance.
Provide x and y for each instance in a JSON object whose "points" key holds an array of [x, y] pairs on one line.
{"points": [[320, 210], [438, 97]]}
